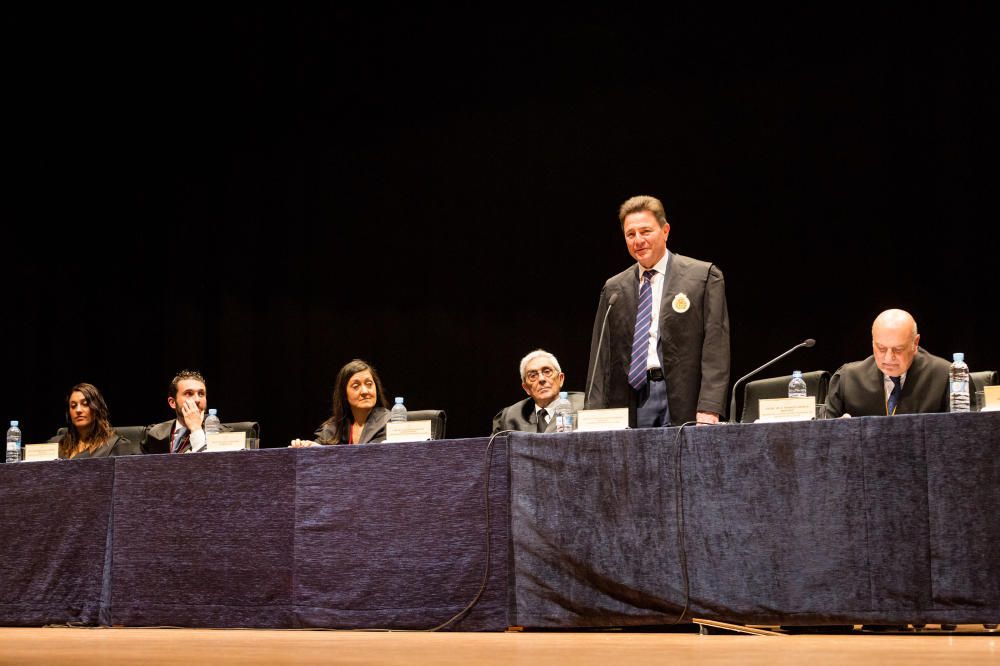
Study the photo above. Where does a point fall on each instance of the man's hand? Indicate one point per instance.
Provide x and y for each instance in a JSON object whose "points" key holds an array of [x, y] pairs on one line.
{"points": [[706, 418], [192, 415]]}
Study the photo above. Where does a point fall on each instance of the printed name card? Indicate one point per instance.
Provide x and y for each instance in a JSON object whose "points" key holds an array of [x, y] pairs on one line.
{"points": [[408, 431], [589, 420], [226, 441], [773, 410], [40, 452], [991, 395]]}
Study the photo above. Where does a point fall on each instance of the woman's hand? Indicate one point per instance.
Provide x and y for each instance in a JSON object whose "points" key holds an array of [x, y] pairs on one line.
{"points": [[302, 443]]}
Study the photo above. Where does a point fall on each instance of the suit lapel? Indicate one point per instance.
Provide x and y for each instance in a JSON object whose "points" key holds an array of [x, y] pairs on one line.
{"points": [[670, 288], [629, 297], [878, 398], [910, 385], [375, 421], [551, 425]]}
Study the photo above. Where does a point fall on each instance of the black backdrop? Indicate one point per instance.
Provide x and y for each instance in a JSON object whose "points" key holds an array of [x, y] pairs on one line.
{"points": [[265, 194]]}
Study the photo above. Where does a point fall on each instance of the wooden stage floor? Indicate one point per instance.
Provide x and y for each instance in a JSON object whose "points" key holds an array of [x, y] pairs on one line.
{"points": [[253, 646]]}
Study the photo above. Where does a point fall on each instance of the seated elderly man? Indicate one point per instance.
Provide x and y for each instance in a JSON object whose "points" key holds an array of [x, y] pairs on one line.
{"points": [[541, 379], [898, 378]]}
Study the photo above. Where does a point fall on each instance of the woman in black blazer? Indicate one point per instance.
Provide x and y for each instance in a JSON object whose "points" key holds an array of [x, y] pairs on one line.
{"points": [[359, 409], [89, 434]]}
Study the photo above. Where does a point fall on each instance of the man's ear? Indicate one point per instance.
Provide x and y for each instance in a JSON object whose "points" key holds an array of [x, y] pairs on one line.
{"points": [[172, 403]]}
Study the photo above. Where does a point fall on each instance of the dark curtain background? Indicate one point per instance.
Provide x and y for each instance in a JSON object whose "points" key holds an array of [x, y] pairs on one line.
{"points": [[265, 194]]}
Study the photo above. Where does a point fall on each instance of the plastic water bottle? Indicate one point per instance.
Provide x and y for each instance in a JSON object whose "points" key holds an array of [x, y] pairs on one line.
{"points": [[563, 413], [797, 387], [212, 423], [398, 411], [958, 376], [13, 443]]}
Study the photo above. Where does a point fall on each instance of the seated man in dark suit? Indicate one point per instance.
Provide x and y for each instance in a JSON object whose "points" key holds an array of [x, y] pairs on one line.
{"points": [[541, 379], [898, 378], [187, 397]]}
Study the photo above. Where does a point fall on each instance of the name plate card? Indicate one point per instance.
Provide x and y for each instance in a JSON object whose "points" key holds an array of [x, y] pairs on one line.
{"points": [[590, 420], [773, 410], [226, 441], [991, 398], [408, 431], [40, 452]]}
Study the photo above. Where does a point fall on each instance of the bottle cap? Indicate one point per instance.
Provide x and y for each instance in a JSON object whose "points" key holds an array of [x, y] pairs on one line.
{"points": [[213, 412], [958, 357], [399, 401], [14, 424], [563, 395]]}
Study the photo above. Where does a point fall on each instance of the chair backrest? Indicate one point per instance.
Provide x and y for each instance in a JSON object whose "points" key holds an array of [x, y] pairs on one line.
{"points": [[984, 378], [439, 418], [251, 428], [134, 434], [817, 383]]}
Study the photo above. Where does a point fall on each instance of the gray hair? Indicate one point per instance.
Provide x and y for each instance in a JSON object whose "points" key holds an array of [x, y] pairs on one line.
{"points": [[535, 354]]}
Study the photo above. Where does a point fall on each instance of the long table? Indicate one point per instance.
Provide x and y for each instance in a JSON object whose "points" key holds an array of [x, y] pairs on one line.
{"points": [[868, 520]]}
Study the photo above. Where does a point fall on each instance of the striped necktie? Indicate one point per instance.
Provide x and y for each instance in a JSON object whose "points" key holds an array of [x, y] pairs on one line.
{"points": [[640, 343], [893, 402]]}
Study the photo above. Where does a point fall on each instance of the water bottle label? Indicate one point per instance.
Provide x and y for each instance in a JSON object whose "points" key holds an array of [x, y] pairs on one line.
{"points": [[564, 422], [959, 387]]}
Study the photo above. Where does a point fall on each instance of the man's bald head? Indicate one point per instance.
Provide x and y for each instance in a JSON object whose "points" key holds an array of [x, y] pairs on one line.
{"points": [[894, 341]]}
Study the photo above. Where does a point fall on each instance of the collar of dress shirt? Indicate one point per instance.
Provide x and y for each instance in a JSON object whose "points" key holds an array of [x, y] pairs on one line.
{"points": [[660, 267]]}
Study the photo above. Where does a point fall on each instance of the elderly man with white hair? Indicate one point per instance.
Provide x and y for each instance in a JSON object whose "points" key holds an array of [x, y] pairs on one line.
{"points": [[542, 380]]}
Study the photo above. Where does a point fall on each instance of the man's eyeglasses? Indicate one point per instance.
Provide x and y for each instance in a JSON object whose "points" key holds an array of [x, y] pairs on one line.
{"points": [[532, 375]]}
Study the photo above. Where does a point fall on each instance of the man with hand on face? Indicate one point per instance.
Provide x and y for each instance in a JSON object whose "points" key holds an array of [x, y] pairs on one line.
{"points": [[541, 379], [898, 378], [660, 344], [186, 396]]}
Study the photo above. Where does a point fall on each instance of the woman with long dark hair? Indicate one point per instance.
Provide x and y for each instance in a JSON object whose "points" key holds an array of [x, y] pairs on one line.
{"points": [[359, 409], [90, 434]]}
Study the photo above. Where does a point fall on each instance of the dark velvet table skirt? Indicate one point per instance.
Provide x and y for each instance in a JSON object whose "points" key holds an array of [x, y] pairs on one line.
{"points": [[384, 536], [870, 520], [867, 520]]}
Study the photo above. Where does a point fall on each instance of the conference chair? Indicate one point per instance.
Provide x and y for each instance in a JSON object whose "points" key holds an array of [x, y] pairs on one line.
{"points": [[251, 428], [437, 416], [984, 378], [817, 383], [134, 434]]}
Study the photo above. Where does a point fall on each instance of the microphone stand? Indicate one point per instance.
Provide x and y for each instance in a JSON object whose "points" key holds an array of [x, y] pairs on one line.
{"points": [[732, 401], [600, 340]]}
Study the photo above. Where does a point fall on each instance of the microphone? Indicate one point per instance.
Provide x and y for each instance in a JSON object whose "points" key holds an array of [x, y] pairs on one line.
{"points": [[600, 339], [732, 401]]}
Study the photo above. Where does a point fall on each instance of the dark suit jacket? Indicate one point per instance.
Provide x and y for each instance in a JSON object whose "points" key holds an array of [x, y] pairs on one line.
{"points": [[694, 345], [157, 438], [115, 446], [521, 415], [858, 388], [374, 430]]}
